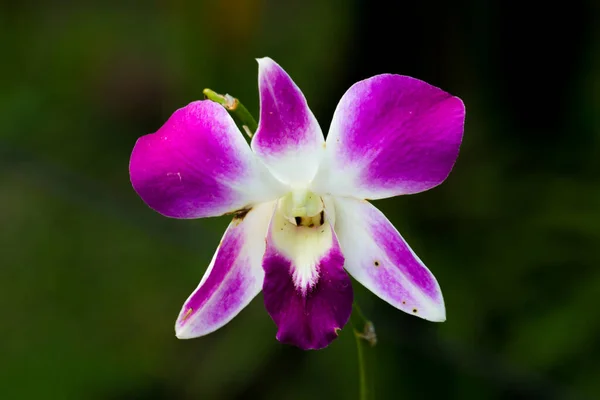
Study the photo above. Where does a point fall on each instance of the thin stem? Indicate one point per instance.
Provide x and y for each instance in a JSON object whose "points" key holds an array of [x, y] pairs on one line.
{"points": [[235, 108], [362, 373], [364, 334]]}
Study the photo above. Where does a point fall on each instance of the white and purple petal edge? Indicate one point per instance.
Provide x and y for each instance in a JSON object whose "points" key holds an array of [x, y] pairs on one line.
{"points": [[198, 165], [234, 277], [379, 258], [391, 135], [288, 134]]}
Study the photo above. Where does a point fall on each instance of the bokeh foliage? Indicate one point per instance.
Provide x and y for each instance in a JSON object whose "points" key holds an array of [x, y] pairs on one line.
{"points": [[91, 280]]}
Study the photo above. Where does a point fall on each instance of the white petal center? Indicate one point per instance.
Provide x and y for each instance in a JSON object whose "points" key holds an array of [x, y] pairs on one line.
{"points": [[301, 231]]}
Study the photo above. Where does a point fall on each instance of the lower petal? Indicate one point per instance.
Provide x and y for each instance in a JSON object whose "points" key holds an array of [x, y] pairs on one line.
{"points": [[233, 278], [379, 258], [306, 290]]}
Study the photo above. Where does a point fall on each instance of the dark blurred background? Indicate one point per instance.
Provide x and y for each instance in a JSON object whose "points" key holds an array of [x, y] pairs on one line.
{"points": [[91, 280]]}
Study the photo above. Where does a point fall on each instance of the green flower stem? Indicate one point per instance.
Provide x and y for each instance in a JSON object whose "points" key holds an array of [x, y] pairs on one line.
{"points": [[364, 334], [235, 108]]}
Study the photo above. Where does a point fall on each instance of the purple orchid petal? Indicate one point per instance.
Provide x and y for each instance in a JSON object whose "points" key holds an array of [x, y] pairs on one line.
{"points": [[198, 165], [391, 135], [306, 290], [379, 258], [288, 134], [233, 278]]}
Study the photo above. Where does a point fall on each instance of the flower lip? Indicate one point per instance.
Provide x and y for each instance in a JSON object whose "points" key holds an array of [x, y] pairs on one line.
{"points": [[306, 290]]}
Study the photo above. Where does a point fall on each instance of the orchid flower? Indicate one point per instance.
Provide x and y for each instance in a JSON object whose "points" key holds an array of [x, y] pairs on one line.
{"points": [[301, 218]]}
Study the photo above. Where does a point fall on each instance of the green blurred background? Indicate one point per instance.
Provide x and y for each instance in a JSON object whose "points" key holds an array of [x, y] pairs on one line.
{"points": [[91, 280]]}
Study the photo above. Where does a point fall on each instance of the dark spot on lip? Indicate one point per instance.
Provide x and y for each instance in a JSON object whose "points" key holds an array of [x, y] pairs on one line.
{"points": [[415, 310], [298, 220], [376, 263], [311, 225], [322, 218]]}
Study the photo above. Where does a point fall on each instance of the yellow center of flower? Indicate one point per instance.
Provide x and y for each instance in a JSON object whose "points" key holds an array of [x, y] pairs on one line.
{"points": [[302, 208]]}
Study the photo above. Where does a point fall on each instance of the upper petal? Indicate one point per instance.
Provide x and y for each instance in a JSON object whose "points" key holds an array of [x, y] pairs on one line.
{"points": [[289, 139], [379, 258], [391, 135], [306, 290], [198, 165], [233, 278]]}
